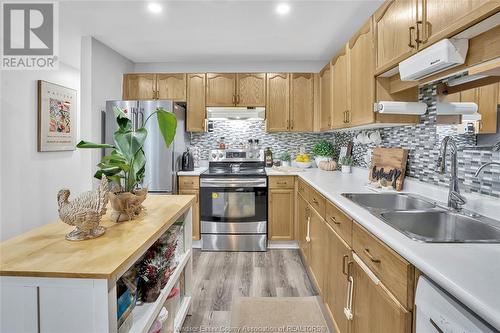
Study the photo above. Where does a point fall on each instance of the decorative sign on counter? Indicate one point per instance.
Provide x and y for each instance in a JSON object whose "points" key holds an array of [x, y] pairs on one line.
{"points": [[388, 167]]}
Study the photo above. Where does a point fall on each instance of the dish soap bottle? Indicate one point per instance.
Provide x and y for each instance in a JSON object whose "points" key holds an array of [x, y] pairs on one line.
{"points": [[269, 157]]}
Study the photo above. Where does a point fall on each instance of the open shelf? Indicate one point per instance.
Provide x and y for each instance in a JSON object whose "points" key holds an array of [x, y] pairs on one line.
{"points": [[182, 313], [145, 314]]}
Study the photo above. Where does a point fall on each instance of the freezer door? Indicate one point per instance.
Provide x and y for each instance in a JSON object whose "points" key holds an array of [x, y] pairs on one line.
{"points": [[159, 159]]}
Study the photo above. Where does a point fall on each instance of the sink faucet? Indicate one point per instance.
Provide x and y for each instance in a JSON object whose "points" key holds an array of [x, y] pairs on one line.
{"points": [[483, 166], [496, 147], [455, 199]]}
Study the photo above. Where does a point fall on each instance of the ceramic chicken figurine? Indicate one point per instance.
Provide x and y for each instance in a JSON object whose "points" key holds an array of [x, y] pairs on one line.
{"points": [[84, 212]]}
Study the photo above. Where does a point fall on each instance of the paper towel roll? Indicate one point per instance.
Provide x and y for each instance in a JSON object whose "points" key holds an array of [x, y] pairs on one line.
{"points": [[391, 107], [456, 108]]}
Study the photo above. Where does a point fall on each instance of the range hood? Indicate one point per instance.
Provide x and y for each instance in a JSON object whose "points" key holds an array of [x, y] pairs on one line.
{"points": [[236, 113]]}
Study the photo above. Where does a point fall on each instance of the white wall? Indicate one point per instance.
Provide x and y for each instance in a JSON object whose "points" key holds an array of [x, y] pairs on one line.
{"points": [[269, 67], [30, 180]]}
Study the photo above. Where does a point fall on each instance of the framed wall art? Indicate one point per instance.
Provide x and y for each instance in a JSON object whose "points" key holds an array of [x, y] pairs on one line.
{"points": [[57, 117]]}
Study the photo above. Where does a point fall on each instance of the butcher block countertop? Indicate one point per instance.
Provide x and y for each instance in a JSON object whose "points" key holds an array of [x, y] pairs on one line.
{"points": [[44, 252]]}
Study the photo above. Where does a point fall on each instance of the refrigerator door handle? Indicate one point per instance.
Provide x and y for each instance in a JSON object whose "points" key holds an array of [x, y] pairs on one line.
{"points": [[141, 117]]}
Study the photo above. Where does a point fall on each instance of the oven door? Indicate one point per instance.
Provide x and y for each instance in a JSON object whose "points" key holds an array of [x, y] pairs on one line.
{"points": [[236, 203]]}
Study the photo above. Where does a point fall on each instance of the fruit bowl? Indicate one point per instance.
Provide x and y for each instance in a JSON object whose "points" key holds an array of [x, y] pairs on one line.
{"points": [[304, 165]]}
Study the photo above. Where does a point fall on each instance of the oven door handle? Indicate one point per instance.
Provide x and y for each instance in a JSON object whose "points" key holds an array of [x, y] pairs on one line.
{"points": [[233, 183]]}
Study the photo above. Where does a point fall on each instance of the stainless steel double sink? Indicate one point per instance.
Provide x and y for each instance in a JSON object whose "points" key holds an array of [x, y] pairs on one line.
{"points": [[423, 220]]}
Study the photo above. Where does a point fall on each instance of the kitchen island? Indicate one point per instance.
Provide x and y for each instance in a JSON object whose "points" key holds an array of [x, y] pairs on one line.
{"points": [[49, 284]]}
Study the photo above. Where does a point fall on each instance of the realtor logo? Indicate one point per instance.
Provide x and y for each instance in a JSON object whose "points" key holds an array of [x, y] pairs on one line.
{"points": [[29, 32]]}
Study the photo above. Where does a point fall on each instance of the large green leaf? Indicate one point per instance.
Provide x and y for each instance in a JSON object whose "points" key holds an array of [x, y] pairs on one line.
{"points": [[86, 144], [130, 142], [167, 124], [123, 121]]}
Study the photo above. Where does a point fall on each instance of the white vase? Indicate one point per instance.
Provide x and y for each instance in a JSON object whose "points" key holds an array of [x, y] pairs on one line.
{"points": [[285, 163], [318, 159], [346, 169]]}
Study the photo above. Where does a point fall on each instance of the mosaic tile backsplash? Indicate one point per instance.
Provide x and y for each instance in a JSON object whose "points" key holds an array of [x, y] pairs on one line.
{"points": [[423, 141]]}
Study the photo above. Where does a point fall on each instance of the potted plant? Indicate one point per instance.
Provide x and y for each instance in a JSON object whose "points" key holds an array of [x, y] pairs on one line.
{"points": [[125, 165], [322, 151], [346, 162], [286, 158]]}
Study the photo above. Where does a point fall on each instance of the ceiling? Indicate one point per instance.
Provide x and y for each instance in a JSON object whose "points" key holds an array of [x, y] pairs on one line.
{"points": [[216, 31]]}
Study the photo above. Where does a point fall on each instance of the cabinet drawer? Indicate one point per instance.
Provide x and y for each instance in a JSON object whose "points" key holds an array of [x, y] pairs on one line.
{"points": [[395, 272], [281, 181], [189, 182], [317, 201], [303, 189], [340, 222]]}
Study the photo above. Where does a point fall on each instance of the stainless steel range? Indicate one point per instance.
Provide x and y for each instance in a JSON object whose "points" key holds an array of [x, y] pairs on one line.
{"points": [[233, 201]]}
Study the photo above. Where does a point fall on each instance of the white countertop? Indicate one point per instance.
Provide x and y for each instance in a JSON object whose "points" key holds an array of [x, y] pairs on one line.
{"points": [[195, 172], [470, 272]]}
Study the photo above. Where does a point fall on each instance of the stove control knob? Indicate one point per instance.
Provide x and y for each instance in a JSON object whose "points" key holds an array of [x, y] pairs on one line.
{"points": [[250, 155], [257, 155], [221, 155], [214, 155]]}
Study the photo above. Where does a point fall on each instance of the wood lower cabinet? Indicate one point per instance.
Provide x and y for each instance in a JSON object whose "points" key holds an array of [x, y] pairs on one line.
{"points": [[278, 102], [221, 89], [281, 208], [374, 308], [251, 89], [325, 97], [190, 185], [171, 86], [303, 220], [195, 107], [318, 233], [395, 32], [301, 102], [139, 86], [362, 81], [336, 283]]}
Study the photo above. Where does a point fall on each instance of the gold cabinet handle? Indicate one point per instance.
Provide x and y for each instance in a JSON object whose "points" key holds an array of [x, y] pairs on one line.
{"points": [[344, 264], [371, 257], [291, 126], [234, 99], [281, 183], [334, 220], [238, 99], [288, 124], [410, 30]]}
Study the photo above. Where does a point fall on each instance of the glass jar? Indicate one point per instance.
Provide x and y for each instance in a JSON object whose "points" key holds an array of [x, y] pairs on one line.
{"points": [[269, 157], [222, 143]]}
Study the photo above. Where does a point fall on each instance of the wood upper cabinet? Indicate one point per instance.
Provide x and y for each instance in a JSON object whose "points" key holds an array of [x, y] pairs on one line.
{"points": [[318, 249], [278, 102], [338, 256], [395, 32], [195, 108], [325, 96], [304, 213], [362, 80], [301, 102], [171, 86], [139, 86], [375, 309], [486, 98], [251, 89], [340, 90], [221, 89]]}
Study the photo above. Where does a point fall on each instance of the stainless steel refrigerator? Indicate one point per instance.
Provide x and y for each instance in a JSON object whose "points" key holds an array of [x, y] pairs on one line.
{"points": [[162, 163]]}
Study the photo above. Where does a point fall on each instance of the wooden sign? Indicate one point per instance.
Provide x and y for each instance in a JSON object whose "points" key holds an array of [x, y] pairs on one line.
{"points": [[389, 164]]}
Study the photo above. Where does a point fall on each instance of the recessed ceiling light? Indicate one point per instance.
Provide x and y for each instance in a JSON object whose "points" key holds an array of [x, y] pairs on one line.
{"points": [[283, 8], [154, 7]]}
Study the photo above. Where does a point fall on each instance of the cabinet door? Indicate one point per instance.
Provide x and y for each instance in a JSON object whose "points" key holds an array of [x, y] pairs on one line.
{"points": [[339, 90], [303, 212], [281, 214], [251, 89], [301, 102], [338, 255], [171, 86], [375, 309], [319, 244], [221, 89], [139, 86], [325, 96], [445, 17], [362, 80], [395, 32], [278, 99], [487, 107], [195, 112], [196, 212]]}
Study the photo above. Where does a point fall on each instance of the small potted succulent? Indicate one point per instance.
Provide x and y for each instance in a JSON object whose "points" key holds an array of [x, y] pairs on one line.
{"points": [[286, 159], [346, 162], [322, 151], [125, 165]]}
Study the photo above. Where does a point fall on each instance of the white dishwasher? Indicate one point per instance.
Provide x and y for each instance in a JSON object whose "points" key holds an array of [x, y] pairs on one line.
{"points": [[438, 312]]}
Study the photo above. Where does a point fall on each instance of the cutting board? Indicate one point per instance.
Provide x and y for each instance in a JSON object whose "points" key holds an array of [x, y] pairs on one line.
{"points": [[389, 164]]}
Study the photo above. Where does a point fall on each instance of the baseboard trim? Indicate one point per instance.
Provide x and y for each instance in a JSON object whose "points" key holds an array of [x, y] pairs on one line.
{"points": [[283, 245]]}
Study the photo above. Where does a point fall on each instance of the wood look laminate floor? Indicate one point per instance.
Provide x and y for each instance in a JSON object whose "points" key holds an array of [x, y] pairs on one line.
{"points": [[220, 276]]}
